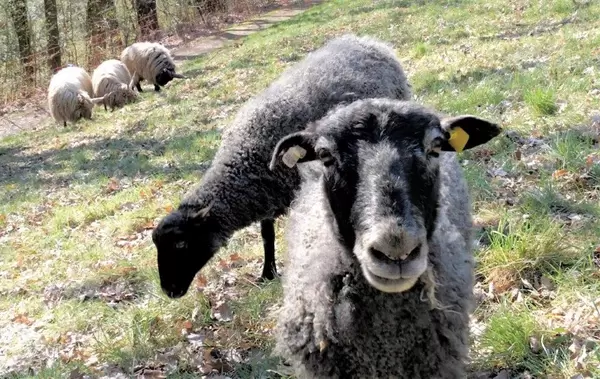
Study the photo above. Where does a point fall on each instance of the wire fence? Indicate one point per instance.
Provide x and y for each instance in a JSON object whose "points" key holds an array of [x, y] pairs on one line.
{"points": [[178, 21]]}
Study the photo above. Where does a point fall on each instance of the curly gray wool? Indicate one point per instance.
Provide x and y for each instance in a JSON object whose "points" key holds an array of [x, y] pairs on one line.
{"points": [[146, 60], [239, 187], [69, 95], [318, 306], [112, 78]]}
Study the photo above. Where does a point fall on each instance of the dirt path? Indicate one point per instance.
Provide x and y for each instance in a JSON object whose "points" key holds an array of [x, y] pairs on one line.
{"points": [[208, 44], [35, 115]]}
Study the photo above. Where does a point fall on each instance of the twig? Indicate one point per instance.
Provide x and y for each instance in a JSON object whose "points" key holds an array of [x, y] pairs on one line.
{"points": [[12, 123], [251, 282]]}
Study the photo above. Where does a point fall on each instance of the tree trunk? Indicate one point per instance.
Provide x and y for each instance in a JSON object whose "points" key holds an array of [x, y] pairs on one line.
{"points": [[18, 14], [211, 6], [53, 46], [147, 17], [101, 25]]}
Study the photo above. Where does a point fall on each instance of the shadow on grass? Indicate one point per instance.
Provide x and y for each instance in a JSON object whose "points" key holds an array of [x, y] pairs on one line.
{"points": [[21, 174]]}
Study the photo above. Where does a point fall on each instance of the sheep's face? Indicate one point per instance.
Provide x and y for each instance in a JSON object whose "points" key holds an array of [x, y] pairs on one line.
{"points": [[84, 107], [381, 176], [185, 242], [166, 75], [123, 96]]}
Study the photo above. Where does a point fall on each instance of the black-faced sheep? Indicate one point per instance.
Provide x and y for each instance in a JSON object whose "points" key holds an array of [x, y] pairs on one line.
{"points": [[379, 269], [239, 189], [69, 95], [112, 78], [151, 61]]}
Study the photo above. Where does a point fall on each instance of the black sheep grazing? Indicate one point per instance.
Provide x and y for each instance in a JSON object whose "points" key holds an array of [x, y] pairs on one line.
{"points": [[379, 271], [239, 189]]}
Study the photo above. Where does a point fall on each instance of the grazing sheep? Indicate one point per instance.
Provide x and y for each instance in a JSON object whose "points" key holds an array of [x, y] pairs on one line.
{"points": [[239, 189], [112, 78], [69, 95], [151, 61], [379, 267]]}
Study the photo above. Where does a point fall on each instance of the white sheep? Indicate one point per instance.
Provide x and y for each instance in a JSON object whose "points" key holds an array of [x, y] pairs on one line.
{"points": [[151, 61], [70, 95], [112, 80]]}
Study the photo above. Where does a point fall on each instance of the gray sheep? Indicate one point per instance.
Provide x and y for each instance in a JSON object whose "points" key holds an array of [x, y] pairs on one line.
{"points": [[70, 95], [379, 269], [112, 78], [239, 189], [151, 61]]}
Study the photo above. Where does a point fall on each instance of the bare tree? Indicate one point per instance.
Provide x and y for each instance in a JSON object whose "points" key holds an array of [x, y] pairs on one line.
{"points": [[20, 20], [211, 6], [53, 46], [102, 28], [147, 17]]}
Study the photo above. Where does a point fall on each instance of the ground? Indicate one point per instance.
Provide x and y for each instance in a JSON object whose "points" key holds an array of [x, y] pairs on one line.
{"points": [[79, 292]]}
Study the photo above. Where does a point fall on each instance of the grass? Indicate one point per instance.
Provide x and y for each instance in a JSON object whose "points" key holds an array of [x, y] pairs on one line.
{"points": [[78, 281]]}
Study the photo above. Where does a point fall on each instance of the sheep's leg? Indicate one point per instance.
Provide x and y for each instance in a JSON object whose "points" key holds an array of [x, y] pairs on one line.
{"points": [[138, 86], [157, 88], [267, 231], [64, 124]]}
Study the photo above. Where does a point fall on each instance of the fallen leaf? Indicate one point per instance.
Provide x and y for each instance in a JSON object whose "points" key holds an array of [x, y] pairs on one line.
{"points": [[234, 257], [534, 345], [76, 374], [187, 325], [201, 282], [152, 374], [558, 173], [148, 225], [169, 208], [195, 339], [22, 319], [113, 185], [518, 155], [222, 312]]}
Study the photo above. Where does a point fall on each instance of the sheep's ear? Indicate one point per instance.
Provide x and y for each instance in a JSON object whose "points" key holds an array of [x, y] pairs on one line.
{"points": [[467, 132], [295, 148], [178, 76]]}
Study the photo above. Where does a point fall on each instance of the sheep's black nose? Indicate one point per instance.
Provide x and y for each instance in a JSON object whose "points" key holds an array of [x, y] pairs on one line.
{"points": [[399, 246], [173, 292]]}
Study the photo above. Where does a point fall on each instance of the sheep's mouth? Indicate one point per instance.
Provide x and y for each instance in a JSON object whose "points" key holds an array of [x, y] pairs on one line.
{"points": [[412, 266], [390, 275], [390, 285]]}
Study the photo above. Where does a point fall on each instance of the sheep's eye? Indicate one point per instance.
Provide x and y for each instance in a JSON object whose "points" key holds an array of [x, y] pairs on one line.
{"points": [[325, 157], [180, 245]]}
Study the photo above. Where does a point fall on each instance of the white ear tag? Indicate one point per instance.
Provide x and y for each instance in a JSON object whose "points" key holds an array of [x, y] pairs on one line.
{"points": [[293, 155]]}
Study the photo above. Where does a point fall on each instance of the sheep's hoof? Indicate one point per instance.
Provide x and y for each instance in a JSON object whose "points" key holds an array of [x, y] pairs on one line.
{"points": [[157, 88], [267, 276]]}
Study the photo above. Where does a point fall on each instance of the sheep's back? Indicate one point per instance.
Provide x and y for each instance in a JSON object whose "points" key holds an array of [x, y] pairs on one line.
{"points": [[75, 76], [147, 59], [343, 70], [109, 76]]}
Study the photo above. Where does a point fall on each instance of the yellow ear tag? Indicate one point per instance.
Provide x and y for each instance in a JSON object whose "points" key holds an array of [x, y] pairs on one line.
{"points": [[458, 139], [293, 155]]}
